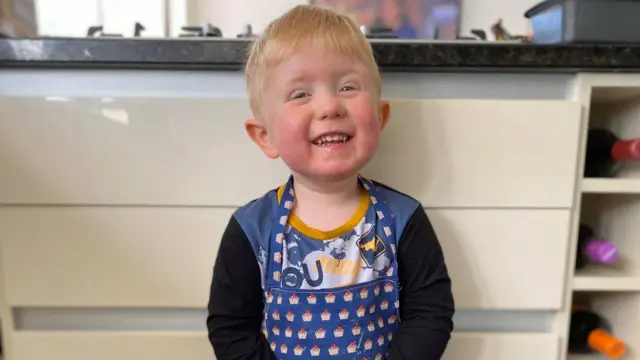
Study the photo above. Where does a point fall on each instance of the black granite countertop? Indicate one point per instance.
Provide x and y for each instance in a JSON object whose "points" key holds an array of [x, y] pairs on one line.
{"points": [[392, 55]]}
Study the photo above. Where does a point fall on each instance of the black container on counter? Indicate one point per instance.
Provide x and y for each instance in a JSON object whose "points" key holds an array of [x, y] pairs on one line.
{"points": [[585, 21]]}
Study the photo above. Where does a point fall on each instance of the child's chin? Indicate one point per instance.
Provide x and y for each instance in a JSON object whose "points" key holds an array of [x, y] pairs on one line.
{"points": [[333, 175], [328, 170]]}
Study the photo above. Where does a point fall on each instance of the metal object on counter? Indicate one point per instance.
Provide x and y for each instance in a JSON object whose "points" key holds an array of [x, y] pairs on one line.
{"points": [[247, 33], [481, 34], [98, 31], [201, 31], [93, 30], [138, 29], [378, 32], [478, 33]]}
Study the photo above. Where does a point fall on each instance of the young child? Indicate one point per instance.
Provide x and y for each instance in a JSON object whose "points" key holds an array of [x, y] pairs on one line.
{"points": [[330, 264]]}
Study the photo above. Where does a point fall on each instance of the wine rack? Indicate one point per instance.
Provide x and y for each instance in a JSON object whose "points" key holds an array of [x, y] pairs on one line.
{"points": [[610, 204]]}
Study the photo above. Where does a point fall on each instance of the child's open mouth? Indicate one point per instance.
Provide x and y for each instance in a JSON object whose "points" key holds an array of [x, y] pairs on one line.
{"points": [[331, 139]]}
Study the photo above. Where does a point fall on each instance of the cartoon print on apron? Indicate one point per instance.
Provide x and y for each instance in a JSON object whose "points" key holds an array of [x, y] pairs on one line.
{"points": [[350, 322]]}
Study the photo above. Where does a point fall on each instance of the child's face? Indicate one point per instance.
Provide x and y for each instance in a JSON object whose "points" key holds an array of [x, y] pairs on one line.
{"points": [[323, 114]]}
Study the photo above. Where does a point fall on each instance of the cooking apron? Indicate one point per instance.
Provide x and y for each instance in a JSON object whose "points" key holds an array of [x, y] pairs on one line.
{"points": [[351, 322]]}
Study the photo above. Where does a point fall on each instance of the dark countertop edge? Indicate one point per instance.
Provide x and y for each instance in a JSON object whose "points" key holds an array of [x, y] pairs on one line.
{"points": [[44, 65], [392, 55]]}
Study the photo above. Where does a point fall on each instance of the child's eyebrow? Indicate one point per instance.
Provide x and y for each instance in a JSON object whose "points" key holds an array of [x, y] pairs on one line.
{"points": [[302, 77], [298, 78]]}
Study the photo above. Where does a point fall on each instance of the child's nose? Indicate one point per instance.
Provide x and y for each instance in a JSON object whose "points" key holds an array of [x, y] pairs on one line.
{"points": [[330, 106]]}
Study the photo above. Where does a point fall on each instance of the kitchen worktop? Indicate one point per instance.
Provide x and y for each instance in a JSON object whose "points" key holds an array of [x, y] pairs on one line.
{"points": [[392, 55]]}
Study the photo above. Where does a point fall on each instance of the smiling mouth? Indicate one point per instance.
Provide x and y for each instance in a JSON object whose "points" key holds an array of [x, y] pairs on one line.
{"points": [[332, 139]]}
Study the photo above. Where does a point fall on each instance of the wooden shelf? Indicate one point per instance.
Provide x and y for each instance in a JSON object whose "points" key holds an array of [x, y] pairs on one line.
{"points": [[606, 283], [611, 186], [604, 279]]}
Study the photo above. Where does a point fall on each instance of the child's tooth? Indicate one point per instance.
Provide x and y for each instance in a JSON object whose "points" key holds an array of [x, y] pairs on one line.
{"points": [[328, 138]]}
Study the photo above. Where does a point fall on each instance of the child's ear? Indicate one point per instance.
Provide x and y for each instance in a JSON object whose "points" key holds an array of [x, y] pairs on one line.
{"points": [[385, 112], [258, 133]]}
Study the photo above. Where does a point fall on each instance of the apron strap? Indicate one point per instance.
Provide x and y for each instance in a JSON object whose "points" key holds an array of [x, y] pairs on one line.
{"points": [[276, 241], [383, 213]]}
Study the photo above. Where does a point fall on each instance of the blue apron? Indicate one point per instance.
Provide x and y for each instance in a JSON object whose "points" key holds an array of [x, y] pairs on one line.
{"points": [[351, 322]]}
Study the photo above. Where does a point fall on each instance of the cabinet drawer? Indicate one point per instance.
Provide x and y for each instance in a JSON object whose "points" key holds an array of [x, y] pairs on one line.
{"points": [[194, 151], [93, 345], [110, 257], [494, 256], [481, 153], [195, 346], [164, 257], [502, 346]]}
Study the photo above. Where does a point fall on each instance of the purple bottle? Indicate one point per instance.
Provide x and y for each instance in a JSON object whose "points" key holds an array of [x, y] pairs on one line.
{"points": [[591, 249]]}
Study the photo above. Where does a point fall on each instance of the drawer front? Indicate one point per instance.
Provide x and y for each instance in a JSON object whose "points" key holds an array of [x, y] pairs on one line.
{"points": [[194, 151], [494, 256], [77, 345], [110, 257], [195, 346], [481, 153], [497, 346], [164, 257]]}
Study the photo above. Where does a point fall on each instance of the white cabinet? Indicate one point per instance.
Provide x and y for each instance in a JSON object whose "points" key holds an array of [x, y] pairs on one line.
{"points": [[119, 206]]}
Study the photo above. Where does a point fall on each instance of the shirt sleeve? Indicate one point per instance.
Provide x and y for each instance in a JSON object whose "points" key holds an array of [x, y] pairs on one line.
{"points": [[426, 300], [235, 310]]}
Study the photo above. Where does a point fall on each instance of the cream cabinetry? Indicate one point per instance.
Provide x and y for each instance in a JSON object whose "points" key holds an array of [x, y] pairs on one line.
{"points": [[110, 207]]}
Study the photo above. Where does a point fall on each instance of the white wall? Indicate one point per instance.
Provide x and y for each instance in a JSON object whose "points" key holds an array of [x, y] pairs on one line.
{"points": [[120, 16], [74, 17], [66, 17]]}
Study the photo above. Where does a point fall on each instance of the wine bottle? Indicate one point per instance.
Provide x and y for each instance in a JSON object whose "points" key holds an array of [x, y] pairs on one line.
{"points": [[592, 249], [589, 333], [605, 152]]}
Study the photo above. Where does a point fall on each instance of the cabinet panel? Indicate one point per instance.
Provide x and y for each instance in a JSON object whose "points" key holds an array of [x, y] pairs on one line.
{"points": [[494, 256], [110, 257], [195, 346], [194, 151]]}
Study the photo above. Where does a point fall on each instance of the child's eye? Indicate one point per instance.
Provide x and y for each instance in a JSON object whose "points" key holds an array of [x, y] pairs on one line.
{"points": [[347, 88], [300, 95]]}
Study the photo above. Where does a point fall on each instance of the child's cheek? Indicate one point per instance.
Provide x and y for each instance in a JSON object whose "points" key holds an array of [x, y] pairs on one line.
{"points": [[293, 146]]}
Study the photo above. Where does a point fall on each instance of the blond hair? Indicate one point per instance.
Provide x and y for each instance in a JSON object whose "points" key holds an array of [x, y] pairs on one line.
{"points": [[299, 27]]}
